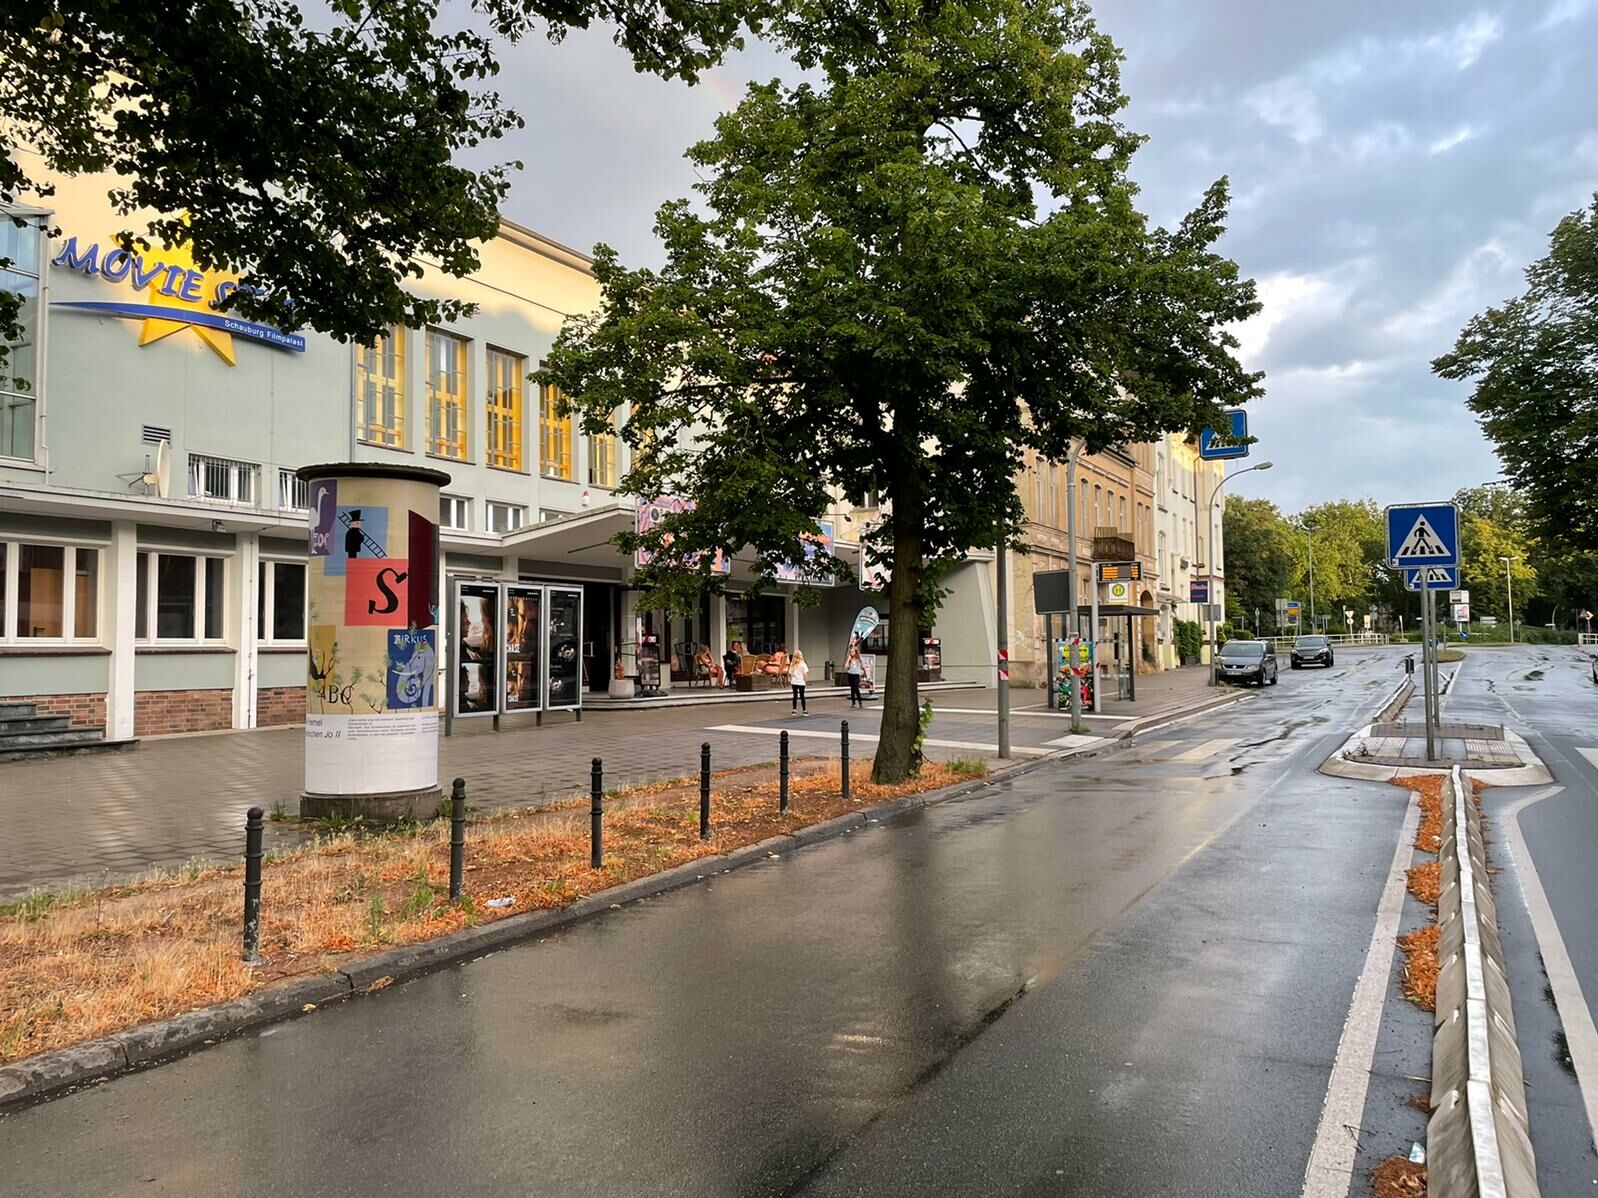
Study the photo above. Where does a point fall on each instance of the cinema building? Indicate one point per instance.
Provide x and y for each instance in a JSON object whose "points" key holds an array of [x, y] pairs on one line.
{"points": [[153, 528]]}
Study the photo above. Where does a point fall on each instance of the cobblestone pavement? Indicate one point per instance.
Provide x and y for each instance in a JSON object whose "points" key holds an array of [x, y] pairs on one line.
{"points": [[173, 800]]}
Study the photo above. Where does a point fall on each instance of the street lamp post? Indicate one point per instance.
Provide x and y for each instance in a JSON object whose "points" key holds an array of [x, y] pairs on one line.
{"points": [[1214, 594], [1509, 586], [1309, 531], [1074, 626]]}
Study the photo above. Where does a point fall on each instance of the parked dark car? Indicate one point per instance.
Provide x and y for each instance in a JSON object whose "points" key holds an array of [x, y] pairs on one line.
{"points": [[1312, 651], [1247, 661]]}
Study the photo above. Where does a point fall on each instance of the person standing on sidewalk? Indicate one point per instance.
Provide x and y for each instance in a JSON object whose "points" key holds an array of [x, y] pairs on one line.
{"points": [[853, 668], [798, 673]]}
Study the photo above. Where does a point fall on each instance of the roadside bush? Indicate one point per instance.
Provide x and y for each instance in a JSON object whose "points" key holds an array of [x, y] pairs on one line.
{"points": [[1189, 640], [1226, 632]]}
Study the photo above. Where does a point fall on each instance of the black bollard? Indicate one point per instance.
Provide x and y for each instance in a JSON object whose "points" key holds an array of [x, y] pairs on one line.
{"points": [[596, 816], [457, 837], [845, 732], [704, 791], [782, 774], [253, 853]]}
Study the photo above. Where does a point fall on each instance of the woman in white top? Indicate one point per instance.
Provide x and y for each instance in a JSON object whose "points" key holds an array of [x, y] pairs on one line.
{"points": [[853, 669], [798, 672]]}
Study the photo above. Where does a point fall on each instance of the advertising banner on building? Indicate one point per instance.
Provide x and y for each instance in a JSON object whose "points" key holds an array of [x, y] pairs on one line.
{"points": [[478, 619], [817, 544], [524, 623], [653, 512], [371, 719]]}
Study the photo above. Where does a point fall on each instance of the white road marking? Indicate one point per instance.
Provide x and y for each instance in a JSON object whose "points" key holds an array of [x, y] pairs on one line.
{"points": [[1330, 1170], [1206, 750], [1027, 711], [1072, 741], [1574, 1013], [1590, 754], [861, 737]]}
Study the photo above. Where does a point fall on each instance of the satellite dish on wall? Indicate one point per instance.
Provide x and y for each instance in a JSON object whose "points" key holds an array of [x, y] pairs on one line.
{"points": [[161, 476]]}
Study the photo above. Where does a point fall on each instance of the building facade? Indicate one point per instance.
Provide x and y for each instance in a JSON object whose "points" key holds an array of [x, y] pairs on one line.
{"points": [[1185, 506], [153, 530]]}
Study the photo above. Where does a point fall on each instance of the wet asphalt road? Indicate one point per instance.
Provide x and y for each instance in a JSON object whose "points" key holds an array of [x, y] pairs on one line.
{"points": [[1547, 694], [1124, 975]]}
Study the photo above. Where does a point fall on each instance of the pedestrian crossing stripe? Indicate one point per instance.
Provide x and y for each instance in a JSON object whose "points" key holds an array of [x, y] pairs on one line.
{"points": [[1422, 541]]}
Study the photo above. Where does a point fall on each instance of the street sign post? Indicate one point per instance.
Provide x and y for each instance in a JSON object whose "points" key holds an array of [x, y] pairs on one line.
{"points": [[1423, 540], [1228, 442]]}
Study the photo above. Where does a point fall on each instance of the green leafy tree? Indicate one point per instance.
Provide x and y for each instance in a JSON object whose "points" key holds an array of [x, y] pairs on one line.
{"points": [[1350, 544], [314, 153], [1534, 363], [1495, 523], [1258, 543], [906, 270]]}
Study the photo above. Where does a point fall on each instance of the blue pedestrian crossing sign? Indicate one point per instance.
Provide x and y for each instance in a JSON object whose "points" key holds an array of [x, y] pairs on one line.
{"points": [[1229, 441], [1438, 578], [1423, 534]]}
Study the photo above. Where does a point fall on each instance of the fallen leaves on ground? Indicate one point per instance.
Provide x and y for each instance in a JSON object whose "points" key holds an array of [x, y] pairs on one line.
{"points": [[1426, 882], [1429, 837], [1398, 1177], [1420, 966], [82, 965]]}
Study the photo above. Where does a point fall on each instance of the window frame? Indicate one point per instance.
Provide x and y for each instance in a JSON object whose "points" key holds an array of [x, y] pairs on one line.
{"points": [[365, 429], [514, 459], [11, 599], [549, 425], [608, 447], [38, 273], [505, 505], [152, 638], [439, 404], [465, 502], [237, 469], [266, 601]]}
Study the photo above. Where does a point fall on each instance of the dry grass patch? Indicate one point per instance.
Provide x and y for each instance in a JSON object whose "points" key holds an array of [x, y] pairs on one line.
{"points": [[1398, 1177], [77, 966]]}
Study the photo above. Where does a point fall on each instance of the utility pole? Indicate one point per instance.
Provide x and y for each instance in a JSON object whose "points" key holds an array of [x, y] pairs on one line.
{"points": [[1215, 597], [1509, 584], [1002, 560], [1073, 629]]}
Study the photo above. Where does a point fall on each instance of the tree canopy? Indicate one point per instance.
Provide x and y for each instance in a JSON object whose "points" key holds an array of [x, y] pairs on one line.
{"points": [[314, 152], [1534, 362], [1259, 559], [905, 270]]}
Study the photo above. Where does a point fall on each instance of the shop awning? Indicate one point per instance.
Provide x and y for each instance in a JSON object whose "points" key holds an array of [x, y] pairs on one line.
{"points": [[582, 538], [1108, 611]]}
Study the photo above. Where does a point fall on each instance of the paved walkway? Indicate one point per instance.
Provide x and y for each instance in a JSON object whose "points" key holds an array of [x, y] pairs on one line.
{"points": [[178, 799]]}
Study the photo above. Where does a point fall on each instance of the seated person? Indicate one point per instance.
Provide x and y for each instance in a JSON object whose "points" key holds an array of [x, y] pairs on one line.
{"points": [[711, 669], [778, 662], [732, 660]]}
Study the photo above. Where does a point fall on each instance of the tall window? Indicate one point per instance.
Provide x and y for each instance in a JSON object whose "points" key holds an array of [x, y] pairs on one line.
{"points": [[446, 395], [53, 594], [1120, 519], [1098, 510], [380, 389], [603, 467], [554, 435], [19, 395], [179, 597], [454, 511], [505, 373], [280, 602], [506, 517]]}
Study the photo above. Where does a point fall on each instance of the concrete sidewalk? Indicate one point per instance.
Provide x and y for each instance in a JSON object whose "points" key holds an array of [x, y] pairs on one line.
{"points": [[102, 819]]}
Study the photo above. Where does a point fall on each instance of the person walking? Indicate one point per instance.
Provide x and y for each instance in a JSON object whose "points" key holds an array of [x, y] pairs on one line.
{"points": [[798, 673], [854, 669]]}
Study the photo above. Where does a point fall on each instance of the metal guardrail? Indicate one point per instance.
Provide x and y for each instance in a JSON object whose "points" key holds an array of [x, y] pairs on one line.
{"points": [[1478, 1141], [1337, 640]]}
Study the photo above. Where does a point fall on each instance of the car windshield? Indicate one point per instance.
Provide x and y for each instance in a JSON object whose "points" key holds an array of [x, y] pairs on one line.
{"points": [[1311, 642], [1243, 649]]}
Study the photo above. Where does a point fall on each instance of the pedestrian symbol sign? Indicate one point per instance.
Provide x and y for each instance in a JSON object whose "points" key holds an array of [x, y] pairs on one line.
{"points": [[1423, 534], [1438, 578]]}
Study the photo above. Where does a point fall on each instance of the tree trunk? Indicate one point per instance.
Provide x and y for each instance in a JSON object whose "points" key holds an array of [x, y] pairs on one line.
{"points": [[901, 713]]}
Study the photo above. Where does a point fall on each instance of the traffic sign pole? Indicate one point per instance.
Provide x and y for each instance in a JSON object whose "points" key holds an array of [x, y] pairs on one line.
{"points": [[1003, 605], [1428, 671]]}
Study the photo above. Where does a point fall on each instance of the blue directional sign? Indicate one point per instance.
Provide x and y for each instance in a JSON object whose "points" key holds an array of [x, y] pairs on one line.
{"points": [[1438, 578], [1423, 534], [1226, 443]]}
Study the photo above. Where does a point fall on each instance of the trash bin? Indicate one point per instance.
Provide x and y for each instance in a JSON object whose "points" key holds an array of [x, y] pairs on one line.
{"points": [[826, 674]]}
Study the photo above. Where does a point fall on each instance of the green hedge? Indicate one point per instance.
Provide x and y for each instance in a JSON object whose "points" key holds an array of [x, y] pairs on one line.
{"points": [[1189, 640]]}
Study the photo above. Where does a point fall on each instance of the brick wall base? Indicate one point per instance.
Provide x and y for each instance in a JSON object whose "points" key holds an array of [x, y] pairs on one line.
{"points": [[158, 712], [278, 705], [87, 711]]}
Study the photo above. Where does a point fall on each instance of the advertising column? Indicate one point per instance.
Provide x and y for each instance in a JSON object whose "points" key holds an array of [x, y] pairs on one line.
{"points": [[371, 703]]}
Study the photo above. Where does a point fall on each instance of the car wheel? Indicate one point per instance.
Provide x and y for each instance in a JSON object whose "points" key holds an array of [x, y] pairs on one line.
{"points": [[1328, 663], [1275, 678], [1296, 666]]}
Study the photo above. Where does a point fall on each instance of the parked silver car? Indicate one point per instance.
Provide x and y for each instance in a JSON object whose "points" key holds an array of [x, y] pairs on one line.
{"points": [[1247, 661]]}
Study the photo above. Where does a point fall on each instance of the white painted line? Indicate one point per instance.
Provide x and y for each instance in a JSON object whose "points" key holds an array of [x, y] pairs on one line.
{"points": [[1574, 1012], [1330, 1171], [1072, 741], [1207, 750], [1592, 757], [862, 737], [1015, 711]]}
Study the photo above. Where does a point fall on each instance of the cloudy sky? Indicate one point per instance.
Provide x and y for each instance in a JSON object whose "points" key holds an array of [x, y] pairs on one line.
{"points": [[1394, 167]]}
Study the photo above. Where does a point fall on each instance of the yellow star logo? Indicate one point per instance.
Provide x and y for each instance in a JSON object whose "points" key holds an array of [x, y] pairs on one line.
{"points": [[175, 288]]}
